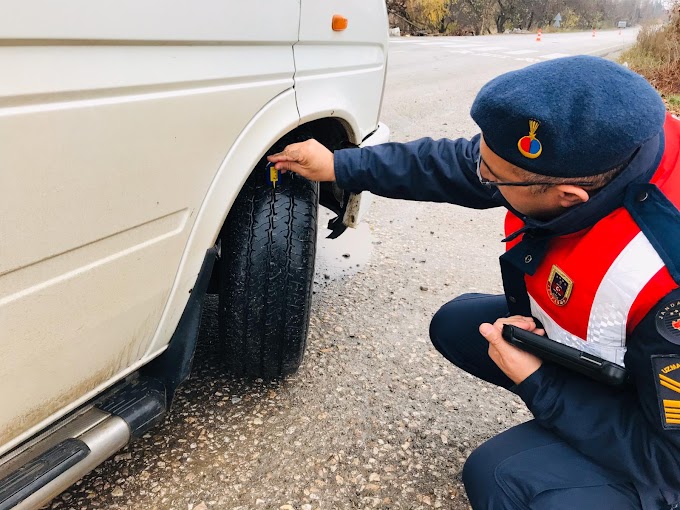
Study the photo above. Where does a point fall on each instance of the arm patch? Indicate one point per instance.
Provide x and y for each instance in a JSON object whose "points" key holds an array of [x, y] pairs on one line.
{"points": [[667, 320], [667, 376]]}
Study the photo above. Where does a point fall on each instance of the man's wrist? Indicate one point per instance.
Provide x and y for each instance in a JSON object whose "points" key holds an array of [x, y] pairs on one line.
{"points": [[527, 388], [526, 376]]}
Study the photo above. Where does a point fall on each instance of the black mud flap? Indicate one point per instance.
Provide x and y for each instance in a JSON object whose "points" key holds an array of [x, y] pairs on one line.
{"points": [[336, 199], [173, 367]]}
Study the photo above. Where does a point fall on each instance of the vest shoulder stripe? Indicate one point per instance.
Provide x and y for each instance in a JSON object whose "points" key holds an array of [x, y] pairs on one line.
{"points": [[634, 267], [661, 284]]}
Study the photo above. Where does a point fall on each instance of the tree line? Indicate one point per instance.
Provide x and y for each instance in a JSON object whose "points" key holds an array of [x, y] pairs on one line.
{"points": [[477, 17]]}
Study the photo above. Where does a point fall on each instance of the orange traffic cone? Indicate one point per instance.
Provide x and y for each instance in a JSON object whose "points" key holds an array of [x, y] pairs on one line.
{"points": [[538, 35]]}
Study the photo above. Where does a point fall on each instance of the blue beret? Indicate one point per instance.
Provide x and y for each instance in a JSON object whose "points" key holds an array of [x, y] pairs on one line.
{"points": [[568, 117]]}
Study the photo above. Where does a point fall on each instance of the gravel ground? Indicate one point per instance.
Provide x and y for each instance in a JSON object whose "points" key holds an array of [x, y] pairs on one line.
{"points": [[375, 418]]}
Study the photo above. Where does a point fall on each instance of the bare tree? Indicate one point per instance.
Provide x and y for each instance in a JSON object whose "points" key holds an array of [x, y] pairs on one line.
{"points": [[483, 16], [473, 16]]}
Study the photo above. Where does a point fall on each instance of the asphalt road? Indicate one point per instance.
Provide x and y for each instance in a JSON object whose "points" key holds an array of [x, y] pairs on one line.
{"points": [[375, 418]]}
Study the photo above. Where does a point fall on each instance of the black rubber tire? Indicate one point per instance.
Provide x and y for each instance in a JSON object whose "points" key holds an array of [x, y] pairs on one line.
{"points": [[266, 274]]}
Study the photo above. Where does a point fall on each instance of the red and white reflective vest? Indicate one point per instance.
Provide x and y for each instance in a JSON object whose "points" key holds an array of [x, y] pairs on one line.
{"points": [[594, 286]]}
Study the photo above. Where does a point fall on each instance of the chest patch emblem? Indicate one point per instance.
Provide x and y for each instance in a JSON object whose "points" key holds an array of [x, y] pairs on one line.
{"points": [[667, 371], [559, 286], [668, 320]]}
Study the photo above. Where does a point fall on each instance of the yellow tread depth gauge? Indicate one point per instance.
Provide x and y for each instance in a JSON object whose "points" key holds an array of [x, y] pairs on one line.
{"points": [[273, 174]]}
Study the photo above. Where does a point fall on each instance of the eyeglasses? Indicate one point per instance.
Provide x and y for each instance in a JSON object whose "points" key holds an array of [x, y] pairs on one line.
{"points": [[489, 184]]}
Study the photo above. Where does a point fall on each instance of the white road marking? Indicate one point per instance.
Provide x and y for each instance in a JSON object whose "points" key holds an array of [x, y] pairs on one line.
{"points": [[466, 46], [491, 48], [475, 52], [521, 52], [554, 55], [456, 46], [494, 55]]}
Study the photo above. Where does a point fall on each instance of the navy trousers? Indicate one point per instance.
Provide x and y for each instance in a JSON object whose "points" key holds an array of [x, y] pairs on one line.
{"points": [[527, 466]]}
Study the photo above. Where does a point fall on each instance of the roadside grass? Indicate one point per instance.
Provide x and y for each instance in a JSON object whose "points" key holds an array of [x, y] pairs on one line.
{"points": [[656, 56]]}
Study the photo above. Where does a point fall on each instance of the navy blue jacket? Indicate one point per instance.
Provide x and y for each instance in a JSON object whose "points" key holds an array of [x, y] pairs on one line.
{"points": [[620, 429]]}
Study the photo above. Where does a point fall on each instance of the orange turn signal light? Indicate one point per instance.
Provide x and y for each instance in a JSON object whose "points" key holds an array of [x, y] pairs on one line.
{"points": [[339, 23]]}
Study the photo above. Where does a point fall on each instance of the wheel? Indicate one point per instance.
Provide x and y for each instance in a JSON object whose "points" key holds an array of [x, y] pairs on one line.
{"points": [[266, 274]]}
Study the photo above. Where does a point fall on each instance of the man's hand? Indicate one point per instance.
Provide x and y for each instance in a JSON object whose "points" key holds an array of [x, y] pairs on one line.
{"points": [[310, 159], [515, 363]]}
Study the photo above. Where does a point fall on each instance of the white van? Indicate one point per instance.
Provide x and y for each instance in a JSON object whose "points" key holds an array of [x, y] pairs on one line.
{"points": [[133, 138]]}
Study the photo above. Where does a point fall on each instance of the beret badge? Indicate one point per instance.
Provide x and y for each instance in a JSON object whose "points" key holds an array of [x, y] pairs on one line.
{"points": [[529, 145]]}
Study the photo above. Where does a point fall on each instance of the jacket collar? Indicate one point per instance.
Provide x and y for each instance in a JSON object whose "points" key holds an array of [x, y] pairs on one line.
{"points": [[536, 233], [640, 169]]}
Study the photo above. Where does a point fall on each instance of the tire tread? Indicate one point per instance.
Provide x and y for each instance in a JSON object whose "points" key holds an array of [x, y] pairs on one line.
{"points": [[266, 275]]}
